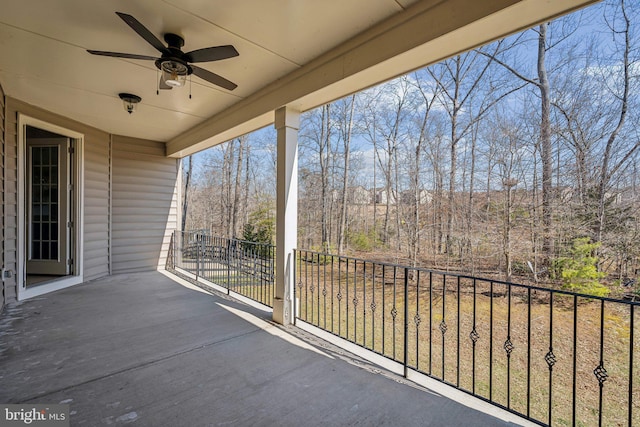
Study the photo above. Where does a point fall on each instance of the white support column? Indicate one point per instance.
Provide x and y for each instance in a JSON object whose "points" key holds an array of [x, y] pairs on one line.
{"points": [[287, 123]]}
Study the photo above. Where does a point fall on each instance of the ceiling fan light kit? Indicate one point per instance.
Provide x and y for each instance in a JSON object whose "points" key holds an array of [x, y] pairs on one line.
{"points": [[174, 64], [174, 73]]}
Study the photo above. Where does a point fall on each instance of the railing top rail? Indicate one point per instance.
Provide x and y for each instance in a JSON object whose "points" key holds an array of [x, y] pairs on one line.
{"points": [[210, 236], [466, 276]]}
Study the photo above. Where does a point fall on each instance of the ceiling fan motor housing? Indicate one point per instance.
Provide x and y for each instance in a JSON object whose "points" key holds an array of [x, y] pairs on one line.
{"points": [[174, 40]]}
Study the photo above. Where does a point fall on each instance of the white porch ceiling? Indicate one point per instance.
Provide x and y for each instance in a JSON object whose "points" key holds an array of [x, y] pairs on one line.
{"points": [[297, 52]]}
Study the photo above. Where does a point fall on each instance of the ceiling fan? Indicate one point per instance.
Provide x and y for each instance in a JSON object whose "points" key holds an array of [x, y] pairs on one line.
{"points": [[175, 64]]}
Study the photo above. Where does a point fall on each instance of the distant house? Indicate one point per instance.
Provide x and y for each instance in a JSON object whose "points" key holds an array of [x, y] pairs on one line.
{"points": [[382, 196], [424, 197], [359, 195]]}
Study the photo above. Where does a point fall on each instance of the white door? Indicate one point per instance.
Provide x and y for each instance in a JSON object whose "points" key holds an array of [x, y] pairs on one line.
{"points": [[49, 227]]}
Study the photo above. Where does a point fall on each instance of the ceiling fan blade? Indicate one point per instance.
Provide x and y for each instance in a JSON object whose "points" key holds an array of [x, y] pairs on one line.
{"points": [[121, 55], [143, 31], [214, 53], [213, 78]]}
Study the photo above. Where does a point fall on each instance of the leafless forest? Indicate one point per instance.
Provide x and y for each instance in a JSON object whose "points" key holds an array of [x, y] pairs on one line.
{"points": [[492, 162]]}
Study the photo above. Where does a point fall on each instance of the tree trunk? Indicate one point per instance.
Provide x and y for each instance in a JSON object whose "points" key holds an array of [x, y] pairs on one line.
{"points": [[324, 176], [185, 195], [545, 147], [236, 190], [345, 180], [605, 172]]}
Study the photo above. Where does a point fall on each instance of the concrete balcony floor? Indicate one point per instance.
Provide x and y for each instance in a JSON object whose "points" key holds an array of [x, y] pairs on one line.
{"points": [[144, 349]]}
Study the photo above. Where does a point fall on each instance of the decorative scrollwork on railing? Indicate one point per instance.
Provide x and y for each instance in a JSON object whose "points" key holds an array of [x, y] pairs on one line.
{"points": [[508, 346], [474, 336], [550, 358], [601, 374], [443, 327]]}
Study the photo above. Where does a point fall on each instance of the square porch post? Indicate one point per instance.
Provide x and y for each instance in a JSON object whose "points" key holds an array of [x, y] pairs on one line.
{"points": [[287, 123]]}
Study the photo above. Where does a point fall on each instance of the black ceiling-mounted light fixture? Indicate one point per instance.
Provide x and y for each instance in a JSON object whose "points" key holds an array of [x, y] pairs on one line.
{"points": [[130, 101]]}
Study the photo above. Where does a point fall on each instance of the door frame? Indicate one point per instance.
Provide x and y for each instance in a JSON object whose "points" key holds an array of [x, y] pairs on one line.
{"points": [[77, 163]]}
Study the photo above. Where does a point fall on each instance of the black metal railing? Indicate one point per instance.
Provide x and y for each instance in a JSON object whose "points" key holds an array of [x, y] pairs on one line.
{"points": [[551, 356], [246, 268]]}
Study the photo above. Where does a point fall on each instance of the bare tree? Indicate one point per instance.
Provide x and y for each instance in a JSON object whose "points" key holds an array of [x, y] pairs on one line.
{"points": [[541, 82], [185, 194], [467, 95], [427, 95], [346, 131]]}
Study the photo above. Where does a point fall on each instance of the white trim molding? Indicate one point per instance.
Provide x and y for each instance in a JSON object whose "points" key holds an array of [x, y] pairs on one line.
{"points": [[77, 275]]}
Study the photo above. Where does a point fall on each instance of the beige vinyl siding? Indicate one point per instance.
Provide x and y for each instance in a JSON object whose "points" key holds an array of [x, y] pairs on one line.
{"points": [[3, 199], [10, 194], [96, 190], [144, 204], [96, 205]]}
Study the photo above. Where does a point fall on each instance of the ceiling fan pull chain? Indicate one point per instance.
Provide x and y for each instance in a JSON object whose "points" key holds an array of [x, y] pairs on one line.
{"points": [[157, 82], [190, 80]]}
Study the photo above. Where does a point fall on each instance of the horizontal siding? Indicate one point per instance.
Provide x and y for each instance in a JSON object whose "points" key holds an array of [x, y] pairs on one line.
{"points": [[140, 146], [96, 189], [10, 187], [144, 200], [96, 206]]}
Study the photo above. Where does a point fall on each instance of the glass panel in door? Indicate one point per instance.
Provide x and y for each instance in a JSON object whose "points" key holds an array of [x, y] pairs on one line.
{"points": [[47, 207]]}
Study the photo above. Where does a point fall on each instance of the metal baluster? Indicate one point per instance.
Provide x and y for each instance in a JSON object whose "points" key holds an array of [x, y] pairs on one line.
{"points": [[364, 304], [347, 299], [339, 297], [443, 323], [631, 334], [324, 289], [575, 361], [197, 256], [491, 341], [417, 320], [458, 336], [430, 321], [373, 308], [306, 286], [406, 322], [355, 301], [600, 372], [474, 339], [508, 347], [384, 306], [394, 310], [550, 358], [319, 292], [332, 312], [229, 265], [528, 352], [296, 266]]}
